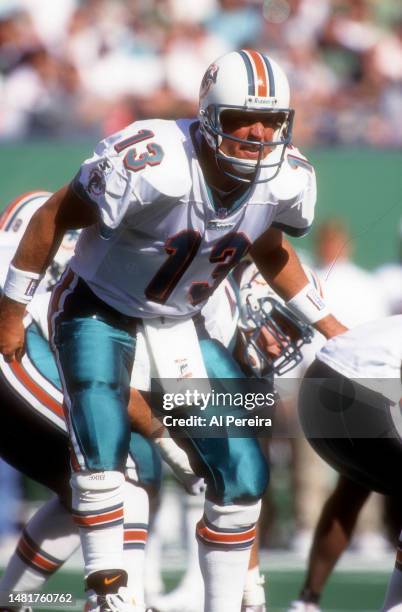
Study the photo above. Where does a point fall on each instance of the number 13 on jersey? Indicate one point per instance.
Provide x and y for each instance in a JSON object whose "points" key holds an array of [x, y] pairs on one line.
{"points": [[181, 249]]}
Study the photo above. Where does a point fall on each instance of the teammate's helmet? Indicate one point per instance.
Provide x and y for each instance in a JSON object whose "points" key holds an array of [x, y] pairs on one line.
{"points": [[61, 258], [262, 310], [246, 81]]}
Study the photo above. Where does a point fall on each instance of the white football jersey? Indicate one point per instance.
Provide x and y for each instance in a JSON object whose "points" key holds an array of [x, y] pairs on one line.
{"points": [[162, 245], [13, 223], [370, 353], [16, 216]]}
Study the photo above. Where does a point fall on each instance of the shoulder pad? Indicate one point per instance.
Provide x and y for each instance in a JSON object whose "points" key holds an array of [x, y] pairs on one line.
{"points": [[171, 176], [295, 175]]}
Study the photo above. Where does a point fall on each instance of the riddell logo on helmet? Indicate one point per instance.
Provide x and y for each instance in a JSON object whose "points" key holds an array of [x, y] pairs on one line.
{"points": [[261, 101], [208, 79]]}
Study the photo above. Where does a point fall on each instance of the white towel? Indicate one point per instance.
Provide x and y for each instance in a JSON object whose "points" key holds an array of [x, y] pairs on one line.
{"points": [[175, 353], [168, 349], [141, 374]]}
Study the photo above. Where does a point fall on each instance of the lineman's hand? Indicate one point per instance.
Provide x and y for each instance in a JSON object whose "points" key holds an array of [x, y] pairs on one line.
{"points": [[330, 327], [12, 333]]}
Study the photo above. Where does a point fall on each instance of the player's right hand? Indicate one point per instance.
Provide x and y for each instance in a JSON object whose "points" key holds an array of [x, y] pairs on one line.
{"points": [[12, 332]]}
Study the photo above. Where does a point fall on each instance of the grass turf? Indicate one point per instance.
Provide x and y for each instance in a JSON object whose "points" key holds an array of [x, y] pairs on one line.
{"points": [[346, 591]]}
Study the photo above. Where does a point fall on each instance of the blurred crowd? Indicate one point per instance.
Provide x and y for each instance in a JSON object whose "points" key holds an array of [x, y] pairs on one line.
{"points": [[85, 68]]}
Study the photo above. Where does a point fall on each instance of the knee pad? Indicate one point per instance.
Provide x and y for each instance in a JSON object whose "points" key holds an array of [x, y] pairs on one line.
{"points": [[96, 489], [97, 481], [233, 516], [98, 499], [228, 527]]}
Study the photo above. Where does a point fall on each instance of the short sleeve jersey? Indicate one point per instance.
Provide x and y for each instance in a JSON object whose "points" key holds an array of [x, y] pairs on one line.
{"points": [[162, 246]]}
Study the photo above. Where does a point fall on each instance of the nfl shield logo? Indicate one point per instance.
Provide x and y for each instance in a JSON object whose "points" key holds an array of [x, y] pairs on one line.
{"points": [[221, 213]]}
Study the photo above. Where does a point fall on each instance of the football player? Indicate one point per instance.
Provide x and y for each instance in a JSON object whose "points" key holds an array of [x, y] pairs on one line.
{"points": [[350, 412], [271, 342], [31, 399], [267, 340], [168, 208]]}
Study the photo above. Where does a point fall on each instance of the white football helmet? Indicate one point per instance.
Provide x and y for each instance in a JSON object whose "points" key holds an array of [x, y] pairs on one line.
{"points": [[61, 258], [250, 82], [262, 309]]}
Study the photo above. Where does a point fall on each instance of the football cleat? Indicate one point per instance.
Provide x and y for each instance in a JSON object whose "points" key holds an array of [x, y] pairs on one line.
{"points": [[254, 594], [303, 606], [107, 592], [122, 601]]}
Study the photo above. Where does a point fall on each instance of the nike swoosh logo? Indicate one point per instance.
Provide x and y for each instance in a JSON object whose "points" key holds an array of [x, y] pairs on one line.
{"points": [[108, 581]]}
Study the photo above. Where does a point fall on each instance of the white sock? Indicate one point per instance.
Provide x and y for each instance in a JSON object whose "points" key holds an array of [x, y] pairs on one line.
{"points": [[153, 569], [136, 514], [393, 595], [193, 511], [224, 573], [98, 512], [225, 536], [48, 540], [254, 592]]}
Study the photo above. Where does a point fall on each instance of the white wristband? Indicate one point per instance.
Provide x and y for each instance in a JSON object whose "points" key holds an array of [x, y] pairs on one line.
{"points": [[21, 285], [308, 305]]}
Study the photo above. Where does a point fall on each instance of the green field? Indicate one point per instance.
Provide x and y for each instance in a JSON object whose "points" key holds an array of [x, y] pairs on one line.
{"points": [[347, 591]]}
